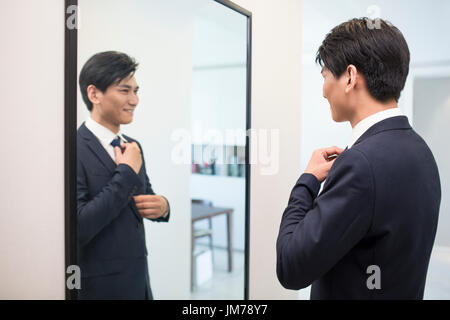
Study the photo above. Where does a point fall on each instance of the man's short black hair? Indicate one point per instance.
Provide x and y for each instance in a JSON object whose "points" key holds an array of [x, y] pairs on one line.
{"points": [[376, 48], [104, 69]]}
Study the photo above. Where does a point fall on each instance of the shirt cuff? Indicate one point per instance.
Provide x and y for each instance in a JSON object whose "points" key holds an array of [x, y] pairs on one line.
{"points": [[168, 208]]}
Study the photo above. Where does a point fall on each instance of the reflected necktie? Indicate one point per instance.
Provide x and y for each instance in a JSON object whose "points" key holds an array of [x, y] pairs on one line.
{"points": [[116, 143]]}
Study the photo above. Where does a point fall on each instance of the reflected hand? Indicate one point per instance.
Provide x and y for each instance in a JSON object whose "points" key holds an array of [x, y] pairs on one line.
{"points": [[130, 156], [151, 206], [321, 161]]}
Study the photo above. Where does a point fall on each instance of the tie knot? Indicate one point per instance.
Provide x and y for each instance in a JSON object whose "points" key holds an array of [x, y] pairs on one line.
{"points": [[116, 142]]}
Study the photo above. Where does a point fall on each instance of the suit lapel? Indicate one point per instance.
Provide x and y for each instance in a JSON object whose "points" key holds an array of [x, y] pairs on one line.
{"points": [[97, 148], [102, 155]]}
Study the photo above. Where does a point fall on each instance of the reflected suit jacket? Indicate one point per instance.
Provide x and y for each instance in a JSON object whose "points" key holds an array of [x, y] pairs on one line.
{"points": [[379, 207], [112, 253]]}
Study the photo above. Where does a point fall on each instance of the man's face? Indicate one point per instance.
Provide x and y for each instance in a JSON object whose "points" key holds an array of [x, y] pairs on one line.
{"points": [[334, 92], [117, 103]]}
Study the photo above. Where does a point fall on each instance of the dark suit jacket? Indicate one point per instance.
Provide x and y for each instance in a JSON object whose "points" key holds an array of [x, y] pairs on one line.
{"points": [[379, 206], [112, 253]]}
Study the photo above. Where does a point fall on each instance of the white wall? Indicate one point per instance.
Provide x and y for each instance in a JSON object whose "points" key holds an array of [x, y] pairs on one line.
{"points": [[219, 104], [160, 38], [219, 75], [32, 130], [275, 105]]}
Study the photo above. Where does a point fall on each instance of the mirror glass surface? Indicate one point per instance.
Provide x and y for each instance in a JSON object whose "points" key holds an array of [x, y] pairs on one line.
{"points": [[189, 118]]}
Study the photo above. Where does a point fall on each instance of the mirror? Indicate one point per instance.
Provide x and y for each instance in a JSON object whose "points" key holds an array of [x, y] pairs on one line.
{"points": [[162, 212]]}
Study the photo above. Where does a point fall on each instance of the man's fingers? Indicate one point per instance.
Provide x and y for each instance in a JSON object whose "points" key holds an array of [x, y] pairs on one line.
{"points": [[148, 205], [332, 150], [149, 200], [152, 216], [329, 164], [332, 157], [146, 198], [125, 146], [118, 153], [129, 144], [149, 211]]}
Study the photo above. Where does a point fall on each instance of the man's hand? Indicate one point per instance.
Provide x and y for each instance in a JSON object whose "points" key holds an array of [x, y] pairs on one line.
{"points": [[151, 206], [130, 156], [321, 161]]}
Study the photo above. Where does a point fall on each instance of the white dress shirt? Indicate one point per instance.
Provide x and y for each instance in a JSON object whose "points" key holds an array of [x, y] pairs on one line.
{"points": [[368, 122], [105, 136]]}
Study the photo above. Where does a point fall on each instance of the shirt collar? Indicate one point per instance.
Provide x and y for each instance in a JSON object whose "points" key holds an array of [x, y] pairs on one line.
{"points": [[102, 133], [366, 123]]}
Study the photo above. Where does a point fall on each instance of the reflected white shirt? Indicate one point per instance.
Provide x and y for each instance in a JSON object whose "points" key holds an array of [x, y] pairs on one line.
{"points": [[105, 136], [368, 122]]}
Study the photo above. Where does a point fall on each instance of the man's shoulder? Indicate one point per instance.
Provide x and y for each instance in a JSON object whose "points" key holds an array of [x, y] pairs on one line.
{"points": [[349, 165], [352, 158], [82, 129], [391, 146], [82, 136], [351, 169]]}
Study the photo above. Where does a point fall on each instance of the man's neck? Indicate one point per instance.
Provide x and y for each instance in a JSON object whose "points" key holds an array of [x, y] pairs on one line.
{"points": [[114, 128], [369, 109]]}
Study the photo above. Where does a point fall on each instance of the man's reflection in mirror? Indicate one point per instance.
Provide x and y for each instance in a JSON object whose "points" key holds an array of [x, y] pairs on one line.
{"points": [[114, 193]]}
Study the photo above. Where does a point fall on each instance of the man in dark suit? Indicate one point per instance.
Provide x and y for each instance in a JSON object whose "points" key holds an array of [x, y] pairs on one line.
{"points": [[370, 231], [113, 190]]}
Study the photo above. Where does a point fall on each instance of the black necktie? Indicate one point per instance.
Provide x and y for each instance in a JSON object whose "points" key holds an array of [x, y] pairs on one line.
{"points": [[116, 143]]}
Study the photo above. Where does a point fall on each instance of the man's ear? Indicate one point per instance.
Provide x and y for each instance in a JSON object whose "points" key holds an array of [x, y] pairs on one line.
{"points": [[94, 94], [350, 74]]}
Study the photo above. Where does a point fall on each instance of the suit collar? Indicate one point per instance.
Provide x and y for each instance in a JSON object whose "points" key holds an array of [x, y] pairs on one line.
{"points": [[102, 133], [369, 121], [393, 123]]}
